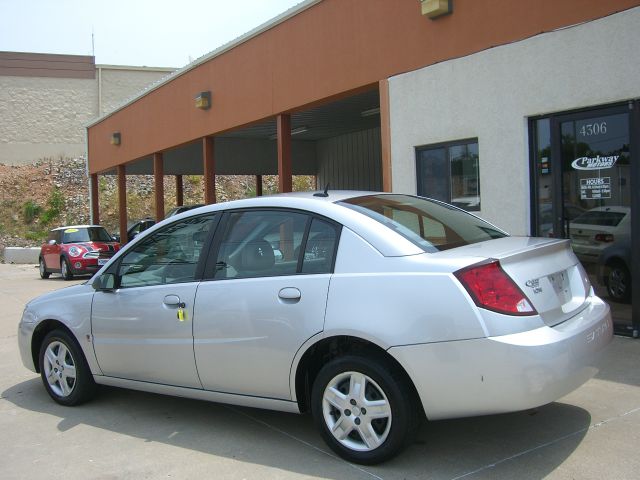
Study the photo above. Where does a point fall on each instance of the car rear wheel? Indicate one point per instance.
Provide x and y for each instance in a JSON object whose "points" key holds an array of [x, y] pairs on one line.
{"points": [[43, 269], [64, 370], [619, 283], [364, 412], [65, 269]]}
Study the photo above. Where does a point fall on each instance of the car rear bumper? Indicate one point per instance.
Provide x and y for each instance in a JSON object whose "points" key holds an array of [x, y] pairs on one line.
{"points": [[511, 372]]}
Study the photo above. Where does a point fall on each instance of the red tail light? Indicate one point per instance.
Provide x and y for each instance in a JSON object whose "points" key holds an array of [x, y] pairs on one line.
{"points": [[604, 237], [491, 288]]}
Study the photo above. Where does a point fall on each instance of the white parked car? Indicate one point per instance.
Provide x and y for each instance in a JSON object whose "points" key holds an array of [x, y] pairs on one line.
{"points": [[376, 310], [598, 228]]}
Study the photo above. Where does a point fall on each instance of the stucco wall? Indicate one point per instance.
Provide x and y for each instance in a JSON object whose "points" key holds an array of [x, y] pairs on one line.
{"points": [[43, 117], [491, 94], [121, 84]]}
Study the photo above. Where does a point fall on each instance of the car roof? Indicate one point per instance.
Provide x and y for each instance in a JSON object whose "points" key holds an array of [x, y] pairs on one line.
{"points": [[615, 208], [379, 236], [76, 226]]}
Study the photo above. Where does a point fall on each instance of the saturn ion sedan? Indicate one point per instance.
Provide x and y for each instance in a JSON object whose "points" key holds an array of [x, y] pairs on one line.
{"points": [[370, 310]]}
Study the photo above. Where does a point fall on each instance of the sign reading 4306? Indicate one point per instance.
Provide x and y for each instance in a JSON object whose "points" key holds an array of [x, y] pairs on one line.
{"points": [[591, 129]]}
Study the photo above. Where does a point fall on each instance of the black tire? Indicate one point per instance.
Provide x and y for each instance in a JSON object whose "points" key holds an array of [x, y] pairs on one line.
{"points": [[390, 434], [57, 352], [65, 269], [44, 274], [618, 282]]}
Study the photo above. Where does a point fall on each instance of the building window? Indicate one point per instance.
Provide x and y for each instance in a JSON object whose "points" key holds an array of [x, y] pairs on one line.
{"points": [[450, 172]]}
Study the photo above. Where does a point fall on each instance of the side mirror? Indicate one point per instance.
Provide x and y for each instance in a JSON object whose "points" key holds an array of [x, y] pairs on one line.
{"points": [[116, 238], [52, 242], [104, 283]]}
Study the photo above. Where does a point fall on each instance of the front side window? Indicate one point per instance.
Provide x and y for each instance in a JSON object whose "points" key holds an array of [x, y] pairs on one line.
{"points": [[267, 243], [168, 256], [432, 226], [450, 173]]}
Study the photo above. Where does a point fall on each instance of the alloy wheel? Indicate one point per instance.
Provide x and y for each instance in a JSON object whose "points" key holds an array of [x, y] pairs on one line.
{"points": [[60, 369], [356, 411]]}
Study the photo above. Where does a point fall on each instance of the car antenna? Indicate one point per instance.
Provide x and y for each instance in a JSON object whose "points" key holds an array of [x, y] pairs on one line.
{"points": [[323, 194]]}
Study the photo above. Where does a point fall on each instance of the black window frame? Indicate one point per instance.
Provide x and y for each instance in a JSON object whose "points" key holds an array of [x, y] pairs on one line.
{"points": [[446, 146]]}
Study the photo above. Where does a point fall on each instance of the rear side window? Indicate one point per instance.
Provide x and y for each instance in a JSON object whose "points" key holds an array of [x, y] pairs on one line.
{"points": [[431, 225], [602, 218], [270, 243]]}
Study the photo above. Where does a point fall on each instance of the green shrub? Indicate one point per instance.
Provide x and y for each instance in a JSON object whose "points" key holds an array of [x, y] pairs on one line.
{"points": [[36, 236], [31, 211], [55, 205]]}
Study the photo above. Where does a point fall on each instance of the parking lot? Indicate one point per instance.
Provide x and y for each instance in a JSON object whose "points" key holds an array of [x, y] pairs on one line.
{"points": [[592, 433]]}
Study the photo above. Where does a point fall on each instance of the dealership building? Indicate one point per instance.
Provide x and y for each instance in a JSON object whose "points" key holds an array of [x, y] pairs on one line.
{"points": [[525, 113]]}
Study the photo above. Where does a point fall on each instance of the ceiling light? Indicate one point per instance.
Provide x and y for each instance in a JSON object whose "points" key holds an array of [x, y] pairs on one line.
{"points": [[371, 112]]}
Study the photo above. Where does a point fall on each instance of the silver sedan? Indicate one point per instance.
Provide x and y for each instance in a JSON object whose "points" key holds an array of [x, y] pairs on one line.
{"points": [[370, 310]]}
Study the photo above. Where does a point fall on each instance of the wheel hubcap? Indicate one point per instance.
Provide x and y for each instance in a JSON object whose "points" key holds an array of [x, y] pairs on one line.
{"points": [[41, 267], [59, 369], [356, 411], [64, 269]]}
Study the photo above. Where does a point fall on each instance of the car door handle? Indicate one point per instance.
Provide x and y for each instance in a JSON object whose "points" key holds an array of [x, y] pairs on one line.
{"points": [[173, 301], [289, 293]]}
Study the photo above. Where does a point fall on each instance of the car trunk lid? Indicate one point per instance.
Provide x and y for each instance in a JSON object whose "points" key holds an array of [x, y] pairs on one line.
{"points": [[546, 270]]}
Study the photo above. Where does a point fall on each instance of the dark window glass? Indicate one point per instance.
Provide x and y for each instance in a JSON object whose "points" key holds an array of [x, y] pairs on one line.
{"points": [[433, 226], [450, 173], [320, 248], [168, 256]]}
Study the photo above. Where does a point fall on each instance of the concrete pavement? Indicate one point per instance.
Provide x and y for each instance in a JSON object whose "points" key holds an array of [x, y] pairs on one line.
{"points": [[592, 433]]}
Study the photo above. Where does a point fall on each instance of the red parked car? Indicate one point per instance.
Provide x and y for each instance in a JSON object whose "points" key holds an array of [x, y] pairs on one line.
{"points": [[76, 250]]}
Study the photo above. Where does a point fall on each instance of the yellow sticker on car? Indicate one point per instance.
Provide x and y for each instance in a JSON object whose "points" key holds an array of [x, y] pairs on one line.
{"points": [[71, 230]]}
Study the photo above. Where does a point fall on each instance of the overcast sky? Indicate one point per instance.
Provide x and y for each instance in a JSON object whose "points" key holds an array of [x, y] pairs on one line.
{"points": [[131, 32]]}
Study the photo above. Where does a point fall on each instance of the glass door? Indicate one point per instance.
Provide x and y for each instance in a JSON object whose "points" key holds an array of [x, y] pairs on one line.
{"points": [[584, 191]]}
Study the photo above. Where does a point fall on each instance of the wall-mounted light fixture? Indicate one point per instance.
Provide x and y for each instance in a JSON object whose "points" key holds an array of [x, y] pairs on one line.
{"points": [[115, 138], [203, 100], [371, 112], [436, 8]]}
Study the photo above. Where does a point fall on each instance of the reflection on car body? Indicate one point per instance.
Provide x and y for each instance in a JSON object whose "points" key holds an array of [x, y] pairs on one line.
{"points": [[367, 309]]}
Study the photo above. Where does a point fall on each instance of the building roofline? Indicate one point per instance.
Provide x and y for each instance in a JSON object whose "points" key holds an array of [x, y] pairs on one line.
{"points": [[135, 68], [268, 25]]}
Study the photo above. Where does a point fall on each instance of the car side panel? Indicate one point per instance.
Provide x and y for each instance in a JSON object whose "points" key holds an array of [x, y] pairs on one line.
{"points": [[72, 307], [399, 304], [246, 334]]}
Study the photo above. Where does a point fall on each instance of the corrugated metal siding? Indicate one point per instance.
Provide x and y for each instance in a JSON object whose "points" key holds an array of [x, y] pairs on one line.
{"points": [[352, 161]]}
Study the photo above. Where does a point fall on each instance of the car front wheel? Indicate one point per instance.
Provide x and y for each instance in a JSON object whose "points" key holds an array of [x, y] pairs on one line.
{"points": [[65, 269], [43, 269], [64, 370], [365, 413]]}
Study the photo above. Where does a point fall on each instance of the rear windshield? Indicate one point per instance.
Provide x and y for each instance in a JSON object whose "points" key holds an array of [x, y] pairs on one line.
{"points": [[91, 234], [431, 225], [602, 218]]}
